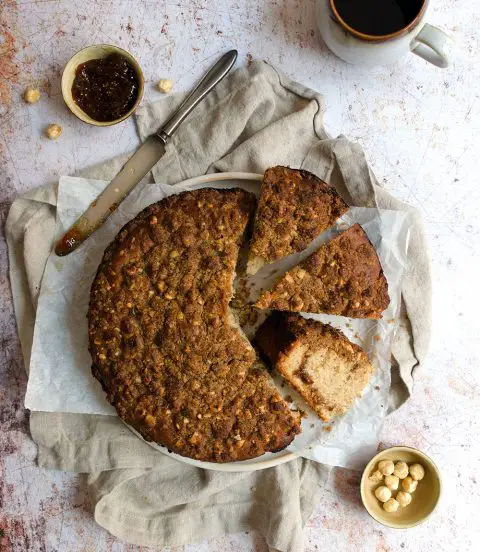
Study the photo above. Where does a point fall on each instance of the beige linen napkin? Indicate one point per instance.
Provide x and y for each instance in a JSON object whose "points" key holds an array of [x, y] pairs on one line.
{"points": [[254, 119]]}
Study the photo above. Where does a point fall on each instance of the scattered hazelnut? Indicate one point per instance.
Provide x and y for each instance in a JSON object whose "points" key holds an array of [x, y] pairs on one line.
{"points": [[165, 85], [53, 131], [417, 472], [403, 498], [409, 484], [386, 467], [383, 493], [376, 476], [31, 95], [401, 470], [391, 505], [392, 482]]}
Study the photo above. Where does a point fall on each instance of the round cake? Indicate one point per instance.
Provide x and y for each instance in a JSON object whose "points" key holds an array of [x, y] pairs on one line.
{"points": [[164, 343]]}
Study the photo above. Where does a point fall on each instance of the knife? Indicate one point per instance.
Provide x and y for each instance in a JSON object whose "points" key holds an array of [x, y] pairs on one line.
{"points": [[141, 162]]}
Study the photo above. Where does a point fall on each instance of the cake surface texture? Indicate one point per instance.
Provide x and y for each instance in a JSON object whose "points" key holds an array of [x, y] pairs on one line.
{"points": [[317, 360], [162, 338], [343, 277], [295, 206]]}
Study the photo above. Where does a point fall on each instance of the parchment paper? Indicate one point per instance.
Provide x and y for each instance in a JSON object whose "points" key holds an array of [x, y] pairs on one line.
{"points": [[60, 379]]}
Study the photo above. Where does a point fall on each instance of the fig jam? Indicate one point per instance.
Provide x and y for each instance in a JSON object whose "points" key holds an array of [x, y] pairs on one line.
{"points": [[106, 88]]}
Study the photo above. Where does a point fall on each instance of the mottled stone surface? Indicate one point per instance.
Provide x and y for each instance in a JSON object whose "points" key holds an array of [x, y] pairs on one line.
{"points": [[419, 127]]}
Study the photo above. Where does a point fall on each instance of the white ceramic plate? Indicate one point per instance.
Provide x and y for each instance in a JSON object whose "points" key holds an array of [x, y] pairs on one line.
{"points": [[249, 182]]}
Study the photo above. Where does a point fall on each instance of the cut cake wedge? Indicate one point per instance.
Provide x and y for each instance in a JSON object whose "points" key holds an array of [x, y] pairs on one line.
{"points": [[317, 360], [295, 207], [343, 277]]}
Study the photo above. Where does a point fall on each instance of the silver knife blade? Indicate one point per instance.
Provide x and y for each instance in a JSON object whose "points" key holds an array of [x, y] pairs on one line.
{"points": [[141, 162]]}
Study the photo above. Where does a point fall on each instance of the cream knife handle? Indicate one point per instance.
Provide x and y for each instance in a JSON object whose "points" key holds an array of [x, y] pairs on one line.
{"points": [[208, 83]]}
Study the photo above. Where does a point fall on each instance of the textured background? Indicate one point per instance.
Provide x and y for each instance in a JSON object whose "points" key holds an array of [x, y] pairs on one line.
{"points": [[419, 126]]}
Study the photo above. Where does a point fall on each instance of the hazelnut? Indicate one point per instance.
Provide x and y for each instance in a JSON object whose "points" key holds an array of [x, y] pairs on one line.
{"points": [[386, 467], [391, 505], [150, 420], [409, 484], [165, 85], [31, 95], [301, 273], [392, 482], [195, 438], [376, 476], [403, 498], [298, 303], [417, 472], [53, 131], [383, 493], [401, 470]]}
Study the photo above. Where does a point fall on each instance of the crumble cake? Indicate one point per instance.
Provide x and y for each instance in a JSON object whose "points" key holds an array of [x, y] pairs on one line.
{"points": [[163, 342]]}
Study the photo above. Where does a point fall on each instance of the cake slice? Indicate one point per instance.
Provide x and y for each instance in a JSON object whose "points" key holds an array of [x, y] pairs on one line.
{"points": [[317, 360], [295, 206], [342, 277]]}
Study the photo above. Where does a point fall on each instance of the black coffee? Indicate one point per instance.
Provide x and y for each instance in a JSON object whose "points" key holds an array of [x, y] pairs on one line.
{"points": [[378, 17]]}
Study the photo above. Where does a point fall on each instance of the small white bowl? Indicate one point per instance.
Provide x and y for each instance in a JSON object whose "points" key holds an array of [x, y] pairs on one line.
{"points": [[425, 498], [97, 51]]}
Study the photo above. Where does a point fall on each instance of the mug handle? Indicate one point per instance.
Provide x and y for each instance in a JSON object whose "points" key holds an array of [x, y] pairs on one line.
{"points": [[433, 45]]}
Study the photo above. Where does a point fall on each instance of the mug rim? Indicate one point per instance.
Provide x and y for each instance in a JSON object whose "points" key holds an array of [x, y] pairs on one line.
{"points": [[379, 38]]}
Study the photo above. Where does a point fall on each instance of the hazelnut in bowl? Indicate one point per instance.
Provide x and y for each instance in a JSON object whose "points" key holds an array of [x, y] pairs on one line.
{"points": [[400, 487], [102, 84]]}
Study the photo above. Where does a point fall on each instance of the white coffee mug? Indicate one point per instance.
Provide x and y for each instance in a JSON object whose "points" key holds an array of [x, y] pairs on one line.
{"points": [[427, 41]]}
